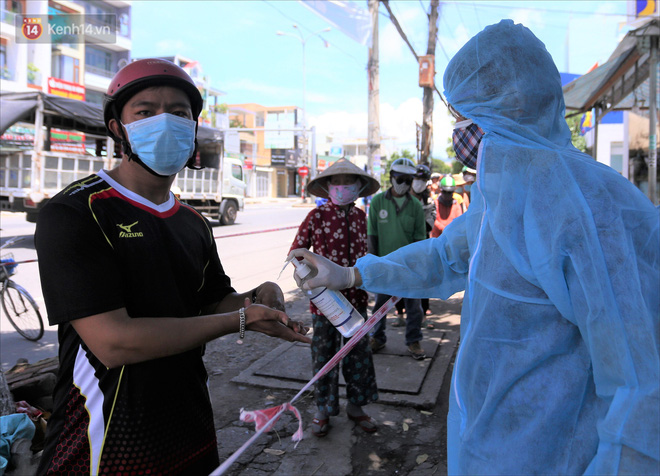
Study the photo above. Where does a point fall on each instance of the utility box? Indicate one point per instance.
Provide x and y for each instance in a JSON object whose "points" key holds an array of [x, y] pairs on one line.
{"points": [[426, 71]]}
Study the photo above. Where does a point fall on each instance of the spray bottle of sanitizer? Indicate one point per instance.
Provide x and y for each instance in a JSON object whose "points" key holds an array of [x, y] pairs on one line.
{"points": [[332, 304]]}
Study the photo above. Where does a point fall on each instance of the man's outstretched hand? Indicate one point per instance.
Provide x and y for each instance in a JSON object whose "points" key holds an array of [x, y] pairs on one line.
{"points": [[274, 323]]}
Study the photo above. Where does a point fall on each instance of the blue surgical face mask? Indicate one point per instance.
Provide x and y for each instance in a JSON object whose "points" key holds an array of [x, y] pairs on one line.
{"points": [[164, 143]]}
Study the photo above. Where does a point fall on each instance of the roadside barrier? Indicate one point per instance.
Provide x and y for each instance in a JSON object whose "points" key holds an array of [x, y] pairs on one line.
{"points": [[265, 419]]}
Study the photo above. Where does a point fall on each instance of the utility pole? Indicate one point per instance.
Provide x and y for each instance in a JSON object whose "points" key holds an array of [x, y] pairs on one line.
{"points": [[373, 134], [427, 119], [653, 128]]}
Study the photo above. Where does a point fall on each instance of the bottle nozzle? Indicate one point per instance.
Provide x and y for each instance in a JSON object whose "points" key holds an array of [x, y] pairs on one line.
{"points": [[302, 269]]}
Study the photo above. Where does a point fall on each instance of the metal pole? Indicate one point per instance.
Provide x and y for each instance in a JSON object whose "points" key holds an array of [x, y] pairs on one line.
{"points": [[596, 116], [653, 128], [39, 126], [373, 134], [109, 152], [304, 69], [314, 158], [38, 148], [427, 119]]}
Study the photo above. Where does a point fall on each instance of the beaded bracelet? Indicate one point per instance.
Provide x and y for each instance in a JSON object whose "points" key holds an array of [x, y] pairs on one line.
{"points": [[241, 323]]}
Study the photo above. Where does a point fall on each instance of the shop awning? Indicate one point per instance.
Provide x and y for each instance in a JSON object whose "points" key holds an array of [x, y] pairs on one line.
{"points": [[69, 114], [622, 82]]}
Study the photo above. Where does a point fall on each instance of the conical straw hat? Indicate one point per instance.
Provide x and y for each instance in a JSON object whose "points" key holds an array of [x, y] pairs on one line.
{"points": [[342, 166]]}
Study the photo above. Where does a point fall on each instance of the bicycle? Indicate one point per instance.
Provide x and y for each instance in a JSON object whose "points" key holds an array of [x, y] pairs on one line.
{"points": [[20, 308]]}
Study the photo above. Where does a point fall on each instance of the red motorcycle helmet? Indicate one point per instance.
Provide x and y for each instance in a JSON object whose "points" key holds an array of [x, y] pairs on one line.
{"points": [[142, 74]]}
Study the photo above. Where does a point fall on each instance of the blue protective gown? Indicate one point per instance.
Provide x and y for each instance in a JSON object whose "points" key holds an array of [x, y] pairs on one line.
{"points": [[558, 367]]}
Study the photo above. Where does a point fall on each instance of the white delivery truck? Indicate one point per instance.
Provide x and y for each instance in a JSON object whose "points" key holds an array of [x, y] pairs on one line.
{"points": [[217, 192], [47, 142]]}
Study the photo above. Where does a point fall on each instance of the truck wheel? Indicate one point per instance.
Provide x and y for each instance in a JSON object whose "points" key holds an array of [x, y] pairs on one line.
{"points": [[228, 216]]}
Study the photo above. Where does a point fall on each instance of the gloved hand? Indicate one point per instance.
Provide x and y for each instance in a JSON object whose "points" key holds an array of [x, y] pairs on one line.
{"points": [[324, 273]]}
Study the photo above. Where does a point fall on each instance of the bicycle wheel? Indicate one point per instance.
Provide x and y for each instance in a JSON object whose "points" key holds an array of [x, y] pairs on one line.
{"points": [[21, 311]]}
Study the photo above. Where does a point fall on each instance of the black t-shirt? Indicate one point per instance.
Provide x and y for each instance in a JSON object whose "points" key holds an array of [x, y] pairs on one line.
{"points": [[101, 247]]}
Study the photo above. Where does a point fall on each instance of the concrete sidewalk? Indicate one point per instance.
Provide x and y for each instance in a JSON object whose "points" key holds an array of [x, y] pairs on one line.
{"points": [[411, 411], [401, 379]]}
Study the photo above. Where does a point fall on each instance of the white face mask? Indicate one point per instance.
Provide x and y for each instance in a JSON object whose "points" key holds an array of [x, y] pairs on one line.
{"points": [[419, 185], [400, 188]]}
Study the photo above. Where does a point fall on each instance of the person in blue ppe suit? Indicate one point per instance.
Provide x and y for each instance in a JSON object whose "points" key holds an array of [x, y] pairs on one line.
{"points": [[558, 368]]}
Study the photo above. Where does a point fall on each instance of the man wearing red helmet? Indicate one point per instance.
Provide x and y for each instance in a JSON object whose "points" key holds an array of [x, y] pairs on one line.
{"points": [[133, 279]]}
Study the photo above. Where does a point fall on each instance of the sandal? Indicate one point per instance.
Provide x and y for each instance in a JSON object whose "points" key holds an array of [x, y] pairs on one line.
{"points": [[365, 422], [322, 425], [400, 322]]}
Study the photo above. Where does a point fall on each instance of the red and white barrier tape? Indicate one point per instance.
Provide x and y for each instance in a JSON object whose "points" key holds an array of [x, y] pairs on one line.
{"points": [[255, 232], [12, 263], [265, 419], [215, 238]]}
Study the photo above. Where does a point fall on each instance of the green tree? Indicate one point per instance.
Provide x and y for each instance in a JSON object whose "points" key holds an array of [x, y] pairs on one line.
{"points": [[387, 164], [577, 139], [450, 149], [456, 167], [404, 154], [440, 166], [235, 123]]}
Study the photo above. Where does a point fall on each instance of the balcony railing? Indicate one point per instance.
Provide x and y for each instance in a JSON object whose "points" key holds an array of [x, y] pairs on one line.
{"points": [[6, 74], [34, 77], [99, 71], [7, 16], [119, 28]]}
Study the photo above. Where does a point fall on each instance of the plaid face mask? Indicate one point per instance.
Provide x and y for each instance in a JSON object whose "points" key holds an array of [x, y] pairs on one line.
{"points": [[465, 139]]}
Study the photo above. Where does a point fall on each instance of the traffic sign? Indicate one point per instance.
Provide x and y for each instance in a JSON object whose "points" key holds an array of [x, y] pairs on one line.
{"points": [[303, 171]]}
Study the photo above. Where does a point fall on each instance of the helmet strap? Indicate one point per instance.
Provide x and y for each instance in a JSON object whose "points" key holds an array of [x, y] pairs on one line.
{"points": [[191, 161]]}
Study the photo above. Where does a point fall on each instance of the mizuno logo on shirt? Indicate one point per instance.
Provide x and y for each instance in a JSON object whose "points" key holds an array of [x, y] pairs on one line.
{"points": [[127, 231]]}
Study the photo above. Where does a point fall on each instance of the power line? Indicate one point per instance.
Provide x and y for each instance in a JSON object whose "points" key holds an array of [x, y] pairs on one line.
{"points": [[545, 10], [459, 13], [405, 39], [309, 30], [476, 15], [391, 5], [442, 47], [423, 8], [397, 25]]}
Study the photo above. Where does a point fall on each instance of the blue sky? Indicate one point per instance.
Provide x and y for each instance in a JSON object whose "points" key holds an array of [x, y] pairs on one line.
{"points": [[238, 48]]}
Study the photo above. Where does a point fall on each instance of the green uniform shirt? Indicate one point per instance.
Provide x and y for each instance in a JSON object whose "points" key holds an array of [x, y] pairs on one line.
{"points": [[393, 225]]}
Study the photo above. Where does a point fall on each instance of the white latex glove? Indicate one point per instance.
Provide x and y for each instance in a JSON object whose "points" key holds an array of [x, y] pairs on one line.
{"points": [[324, 273]]}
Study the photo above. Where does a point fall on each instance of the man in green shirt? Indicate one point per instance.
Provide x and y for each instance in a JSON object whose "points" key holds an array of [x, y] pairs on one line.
{"points": [[396, 219]]}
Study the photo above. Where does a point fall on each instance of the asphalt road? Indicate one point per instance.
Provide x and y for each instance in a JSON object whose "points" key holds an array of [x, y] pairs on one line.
{"points": [[252, 251]]}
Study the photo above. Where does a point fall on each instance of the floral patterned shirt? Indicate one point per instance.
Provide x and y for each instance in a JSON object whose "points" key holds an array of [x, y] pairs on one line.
{"points": [[339, 236]]}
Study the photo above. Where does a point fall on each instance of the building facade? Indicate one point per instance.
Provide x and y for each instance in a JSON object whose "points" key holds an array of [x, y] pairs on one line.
{"points": [[275, 149], [80, 68]]}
